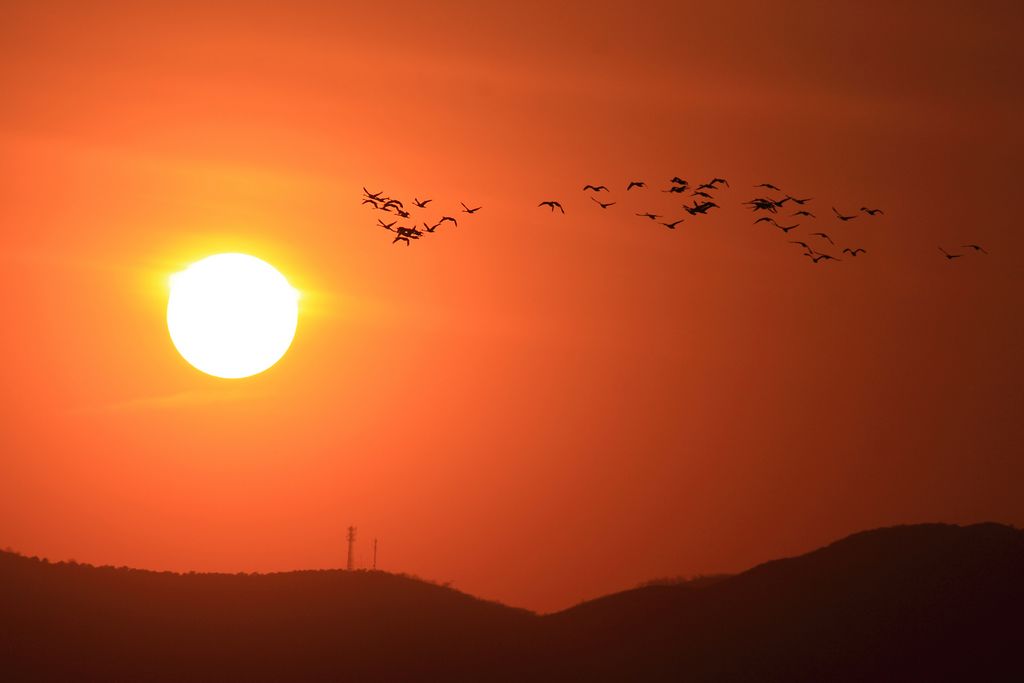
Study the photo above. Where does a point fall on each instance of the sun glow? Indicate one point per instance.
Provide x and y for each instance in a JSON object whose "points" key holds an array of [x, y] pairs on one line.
{"points": [[232, 315]]}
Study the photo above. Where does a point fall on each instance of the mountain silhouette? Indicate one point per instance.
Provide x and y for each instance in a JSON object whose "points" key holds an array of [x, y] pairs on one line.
{"points": [[928, 602]]}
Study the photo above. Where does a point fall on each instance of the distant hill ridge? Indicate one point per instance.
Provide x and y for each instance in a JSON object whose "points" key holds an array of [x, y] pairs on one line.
{"points": [[929, 602]]}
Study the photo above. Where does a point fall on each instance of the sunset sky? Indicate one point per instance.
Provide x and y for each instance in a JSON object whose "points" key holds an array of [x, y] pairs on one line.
{"points": [[538, 408]]}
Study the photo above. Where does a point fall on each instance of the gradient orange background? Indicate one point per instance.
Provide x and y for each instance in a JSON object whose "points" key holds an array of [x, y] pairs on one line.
{"points": [[538, 408]]}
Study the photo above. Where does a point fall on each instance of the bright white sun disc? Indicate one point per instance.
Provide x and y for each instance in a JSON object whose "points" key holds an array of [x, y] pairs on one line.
{"points": [[232, 315]]}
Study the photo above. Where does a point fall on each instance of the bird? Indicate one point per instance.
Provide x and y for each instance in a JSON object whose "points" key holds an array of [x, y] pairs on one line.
{"points": [[652, 216], [854, 252], [421, 204], [678, 181], [554, 205], [672, 225], [386, 226], [841, 216], [975, 247], [700, 193], [677, 189], [802, 244], [768, 186], [603, 205], [430, 228], [401, 238], [948, 255], [635, 183], [819, 256], [763, 219], [821, 234], [595, 188], [801, 202], [466, 209], [699, 208], [448, 218], [715, 181], [786, 228], [805, 213], [394, 202], [370, 201], [373, 195], [403, 214], [871, 212]]}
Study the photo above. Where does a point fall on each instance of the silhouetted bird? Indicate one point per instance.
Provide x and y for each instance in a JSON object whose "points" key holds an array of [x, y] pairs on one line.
{"points": [[373, 195], [801, 202], [677, 189], [403, 214], [715, 181], [818, 256], [871, 212], [805, 213], [703, 208], [554, 205], [401, 238], [421, 204], [672, 225], [821, 234], [854, 252], [370, 201], [466, 209], [842, 217], [764, 219], [652, 216], [768, 186], [786, 228], [447, 218], [603, 205], [975, 247], [394, 202], [679, 181], [595, 188], [635, 183], [700, 193], [948, 255], [386, 226], [802, 244], [430, 228]]}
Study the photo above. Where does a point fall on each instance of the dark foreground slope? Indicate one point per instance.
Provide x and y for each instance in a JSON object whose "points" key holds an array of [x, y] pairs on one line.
{"points": [[927, 602]]}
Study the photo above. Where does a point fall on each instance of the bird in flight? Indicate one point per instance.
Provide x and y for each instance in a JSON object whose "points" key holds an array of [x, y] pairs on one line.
{"points": [[871, 212], [403, 214], [595, 188], [652, 216], [448, 218], [841, 216], [699, 208], [421, 203], [466, 209], [679, 181], [635, 183], [715, 181], [430, 228], [948, 255], [701, 193], [370, 201], [786, 228], [801, 202], [802, 244], [818, 256], [764, 219], [823, 235], [768, 186], [672, 225], [854, 252], [677, 189], [401, 238], [393, 202], [603, 205], [386, 226], [373, 195], [975, 247], [554, 205], [805, 213]]}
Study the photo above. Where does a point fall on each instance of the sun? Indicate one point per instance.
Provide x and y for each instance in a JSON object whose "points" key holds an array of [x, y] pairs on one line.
{"points": [[232, 315]]}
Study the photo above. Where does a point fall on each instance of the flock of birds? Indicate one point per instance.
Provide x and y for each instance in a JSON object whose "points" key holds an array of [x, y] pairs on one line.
{"points": [[772, 206]]}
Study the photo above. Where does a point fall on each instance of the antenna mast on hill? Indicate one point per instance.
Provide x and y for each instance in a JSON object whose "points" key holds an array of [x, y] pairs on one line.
{"points": [[351, 548], [375, 554]]}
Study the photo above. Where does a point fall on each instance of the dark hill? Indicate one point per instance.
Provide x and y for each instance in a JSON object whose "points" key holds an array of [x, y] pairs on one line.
{"points": [[926, 602]]}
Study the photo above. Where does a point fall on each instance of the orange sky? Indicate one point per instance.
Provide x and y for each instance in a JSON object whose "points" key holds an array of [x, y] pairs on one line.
{"points": [[538, 408]]}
